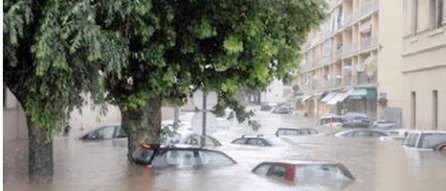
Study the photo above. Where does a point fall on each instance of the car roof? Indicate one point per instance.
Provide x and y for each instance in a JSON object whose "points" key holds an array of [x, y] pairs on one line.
{"points": [[331, 116], [425, 131], [300, 162], [290, 128]]}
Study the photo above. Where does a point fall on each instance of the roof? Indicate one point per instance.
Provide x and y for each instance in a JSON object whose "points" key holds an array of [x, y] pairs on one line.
{"points": [[425, 131], [300, 162]]}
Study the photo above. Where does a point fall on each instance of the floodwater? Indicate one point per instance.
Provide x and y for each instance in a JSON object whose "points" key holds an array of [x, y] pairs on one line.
{"points": [[376, 165]]}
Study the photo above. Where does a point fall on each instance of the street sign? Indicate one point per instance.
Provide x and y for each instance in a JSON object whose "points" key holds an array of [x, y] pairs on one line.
{"points": [[211, 99], [197, 122]]}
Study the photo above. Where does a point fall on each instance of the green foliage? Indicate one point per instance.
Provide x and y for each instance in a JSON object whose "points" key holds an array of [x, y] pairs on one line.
{"points": [[57, 49], [54, 52]]}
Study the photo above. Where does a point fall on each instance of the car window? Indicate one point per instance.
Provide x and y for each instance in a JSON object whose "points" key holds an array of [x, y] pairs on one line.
{"points": [[410, 140], [430, 140], [320, 173], [262, 170], [105, 132], [378, 134], [256, 142], [195, 140], [240, 141], [181, 158], [143, 155], [362, 134], [278, 173], [119, 132], [214, 159]]}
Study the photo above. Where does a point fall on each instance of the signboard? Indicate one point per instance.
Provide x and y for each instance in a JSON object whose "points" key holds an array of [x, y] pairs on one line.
{"points": [[382, 94], [198, 122], [198, 99]]}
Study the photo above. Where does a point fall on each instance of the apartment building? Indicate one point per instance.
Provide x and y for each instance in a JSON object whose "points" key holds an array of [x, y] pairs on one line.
{"points": [[343, 58], [424, 64]]}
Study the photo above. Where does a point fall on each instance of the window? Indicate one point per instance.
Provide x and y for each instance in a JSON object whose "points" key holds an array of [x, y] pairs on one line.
{"points": [[120, 133], [430, 140], [410, 140], [105, 132], [239, 141], [181, 159], [436, 13], [262, 170], [415, 15], [320, 173], [256, 142], [214, 159], [278, 173], [435, 109], [413, 110]]}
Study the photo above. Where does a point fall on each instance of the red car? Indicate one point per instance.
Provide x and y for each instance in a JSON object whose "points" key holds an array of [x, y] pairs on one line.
{"points": [[304, 172]]}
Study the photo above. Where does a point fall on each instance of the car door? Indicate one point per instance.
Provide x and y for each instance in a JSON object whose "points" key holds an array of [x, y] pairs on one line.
{"points": [[278, 172]]}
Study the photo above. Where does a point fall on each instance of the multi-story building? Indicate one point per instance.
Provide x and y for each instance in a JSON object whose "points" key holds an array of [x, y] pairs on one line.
{"points": [[424, 64], [343, 58]]}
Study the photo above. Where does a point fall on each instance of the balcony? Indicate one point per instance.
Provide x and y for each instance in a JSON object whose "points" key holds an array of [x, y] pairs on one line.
{"points": [[349, 50], [366, 9], [347, 80], [368, 42], [361, 78]]}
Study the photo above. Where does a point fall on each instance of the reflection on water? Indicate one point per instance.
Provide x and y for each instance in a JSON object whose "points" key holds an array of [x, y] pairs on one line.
{"points": [[376, 165]]}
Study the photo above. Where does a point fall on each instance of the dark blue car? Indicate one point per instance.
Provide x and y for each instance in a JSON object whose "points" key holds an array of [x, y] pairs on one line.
{"points": [[354, 119]]}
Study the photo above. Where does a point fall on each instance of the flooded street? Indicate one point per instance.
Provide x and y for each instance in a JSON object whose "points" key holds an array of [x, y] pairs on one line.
{"points": [[376, 165]]}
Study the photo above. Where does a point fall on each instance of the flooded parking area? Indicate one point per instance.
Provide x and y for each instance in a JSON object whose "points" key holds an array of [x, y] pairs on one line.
{"points": [[376, 164]]}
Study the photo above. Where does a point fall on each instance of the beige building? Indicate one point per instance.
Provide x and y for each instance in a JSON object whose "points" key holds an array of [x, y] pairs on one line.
{"points": [[424, 64], [349, 63], [15, 125]]}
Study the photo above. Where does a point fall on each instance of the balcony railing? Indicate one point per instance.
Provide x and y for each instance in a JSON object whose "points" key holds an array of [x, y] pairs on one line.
{"points": [[347, 80], [369, 42], [349, 49], [366, 9], [363, 79]]}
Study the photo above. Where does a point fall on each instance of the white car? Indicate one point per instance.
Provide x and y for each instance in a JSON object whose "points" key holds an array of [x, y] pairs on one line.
{"points": [[424, 140], [330, 121]]}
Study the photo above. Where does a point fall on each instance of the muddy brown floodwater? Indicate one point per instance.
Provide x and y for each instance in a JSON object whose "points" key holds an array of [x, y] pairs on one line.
{"points": [[377, 165]]}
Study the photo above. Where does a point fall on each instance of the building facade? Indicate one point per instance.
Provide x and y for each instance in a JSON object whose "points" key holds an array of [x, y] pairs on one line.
{"points": [[342, 60], [424, 64]]}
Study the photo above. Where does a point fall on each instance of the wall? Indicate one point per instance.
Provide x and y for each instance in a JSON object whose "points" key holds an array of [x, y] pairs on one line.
{"points": [[390, 61]]}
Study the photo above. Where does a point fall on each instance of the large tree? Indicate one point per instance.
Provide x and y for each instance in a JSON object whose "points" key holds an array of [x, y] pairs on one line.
{"points": [[54, 51], [176, 46]]}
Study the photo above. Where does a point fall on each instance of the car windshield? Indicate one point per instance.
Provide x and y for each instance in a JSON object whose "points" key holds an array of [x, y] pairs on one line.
{"points": [[430, 140], [321, 173], [275, 141], [181, 158], [143, 155], [214, 159]]}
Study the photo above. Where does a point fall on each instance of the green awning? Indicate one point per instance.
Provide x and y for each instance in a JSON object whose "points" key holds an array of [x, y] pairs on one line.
{"points": [[360, 93]]}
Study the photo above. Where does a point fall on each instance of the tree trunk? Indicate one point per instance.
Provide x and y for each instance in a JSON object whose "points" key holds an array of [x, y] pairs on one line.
{"points": [[40, 161], [142, 125]]}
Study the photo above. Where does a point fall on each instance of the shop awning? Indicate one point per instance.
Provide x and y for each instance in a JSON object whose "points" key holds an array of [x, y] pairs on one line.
{"points": [[307, 97], [328, 97], [360, 93], [338, 98]]}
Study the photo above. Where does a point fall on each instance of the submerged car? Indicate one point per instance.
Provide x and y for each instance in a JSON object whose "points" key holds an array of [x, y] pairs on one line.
{"points": [[267, 106], [110, 131], [424, 140], [304, 172], [354, 119], [355, 133], [295, 131], [259, 141], [180, 157], [281, 110], [330, 121]]}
